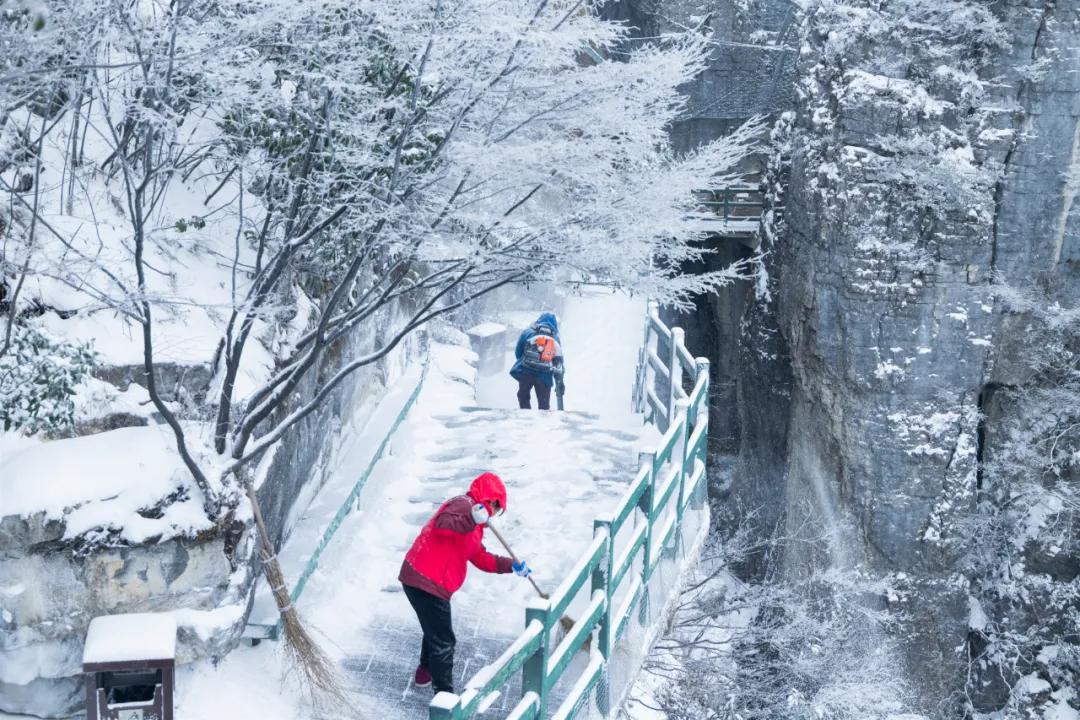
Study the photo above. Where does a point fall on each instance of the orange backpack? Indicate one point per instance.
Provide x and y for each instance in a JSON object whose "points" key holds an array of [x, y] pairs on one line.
{"points": [[539, 353]]}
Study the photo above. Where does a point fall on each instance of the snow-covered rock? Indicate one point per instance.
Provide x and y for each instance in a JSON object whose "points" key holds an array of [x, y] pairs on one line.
{"points": [[112, 523]]}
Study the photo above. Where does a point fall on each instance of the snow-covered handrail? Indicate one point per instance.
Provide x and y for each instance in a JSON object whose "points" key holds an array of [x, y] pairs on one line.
{"points": [[259, 631], [658, 382], [669, 480]]}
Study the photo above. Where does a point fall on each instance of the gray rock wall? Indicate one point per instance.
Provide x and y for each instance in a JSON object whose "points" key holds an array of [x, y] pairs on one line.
{"points": [[930, 160], [56, 592], [924, 172]]}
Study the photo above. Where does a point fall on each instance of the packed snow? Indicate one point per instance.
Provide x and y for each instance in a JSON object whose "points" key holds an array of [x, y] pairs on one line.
{"points": [[130, 637], [101, 482]]}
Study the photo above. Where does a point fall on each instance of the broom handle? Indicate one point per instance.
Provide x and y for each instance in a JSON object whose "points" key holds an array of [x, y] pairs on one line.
{"points": [[514, 557]]}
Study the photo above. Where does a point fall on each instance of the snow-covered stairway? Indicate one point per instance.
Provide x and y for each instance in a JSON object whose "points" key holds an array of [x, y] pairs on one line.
{"points": [[561, 470]]}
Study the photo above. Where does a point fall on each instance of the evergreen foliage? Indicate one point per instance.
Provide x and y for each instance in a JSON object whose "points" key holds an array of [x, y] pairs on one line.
{"points": [[38, 379]]}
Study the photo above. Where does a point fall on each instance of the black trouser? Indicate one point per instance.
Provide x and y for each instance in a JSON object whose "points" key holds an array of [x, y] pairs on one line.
{"points": [[526, 383], [437, 647]]}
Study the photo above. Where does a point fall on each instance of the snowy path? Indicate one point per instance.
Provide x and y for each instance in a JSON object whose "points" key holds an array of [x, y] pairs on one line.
{"points": [[545, 460], [561, 471]]}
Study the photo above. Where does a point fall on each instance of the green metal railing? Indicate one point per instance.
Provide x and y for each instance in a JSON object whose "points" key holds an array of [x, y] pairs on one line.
{"points": [[259, 631], [628, 546]]}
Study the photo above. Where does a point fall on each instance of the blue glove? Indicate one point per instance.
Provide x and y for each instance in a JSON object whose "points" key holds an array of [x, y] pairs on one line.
{"points": [[522, 569]]}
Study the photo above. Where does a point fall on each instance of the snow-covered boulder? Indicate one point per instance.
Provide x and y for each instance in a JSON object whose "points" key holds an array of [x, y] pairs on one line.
{"points": [[98, 525]]}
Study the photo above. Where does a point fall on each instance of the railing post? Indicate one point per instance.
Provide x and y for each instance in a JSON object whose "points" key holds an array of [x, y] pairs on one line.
{"points": [[651, 340], [534, 671], [678, 338], [701, 416], [636, 404], [682, 407], [601, 580], [645, 504], [445, 706], [698, 498], [701, 369]]}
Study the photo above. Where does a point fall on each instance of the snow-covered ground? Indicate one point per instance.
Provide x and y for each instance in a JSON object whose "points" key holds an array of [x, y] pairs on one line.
{"points": [[102, 481], [561, 471]]}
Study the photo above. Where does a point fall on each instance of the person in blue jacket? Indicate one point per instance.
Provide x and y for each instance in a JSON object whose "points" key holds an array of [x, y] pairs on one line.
{"points": [[539, 359]]}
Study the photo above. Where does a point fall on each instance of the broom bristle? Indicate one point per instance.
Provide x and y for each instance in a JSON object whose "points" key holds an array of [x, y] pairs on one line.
{"points": [[566, 624], [317, 670]]}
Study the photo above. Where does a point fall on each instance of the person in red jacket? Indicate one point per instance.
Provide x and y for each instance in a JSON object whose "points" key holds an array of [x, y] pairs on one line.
{"points": [[435, 567]]}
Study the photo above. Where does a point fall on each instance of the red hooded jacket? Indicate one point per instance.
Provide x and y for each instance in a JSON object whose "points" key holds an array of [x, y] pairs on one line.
{"points": [[437, 561]]}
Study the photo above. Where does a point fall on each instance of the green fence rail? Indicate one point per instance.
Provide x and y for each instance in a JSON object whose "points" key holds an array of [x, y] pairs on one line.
{"points": [[257, 631], [627, 547]]}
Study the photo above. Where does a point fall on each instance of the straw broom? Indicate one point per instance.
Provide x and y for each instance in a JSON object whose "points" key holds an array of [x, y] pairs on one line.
{"points": [[318, 672]]}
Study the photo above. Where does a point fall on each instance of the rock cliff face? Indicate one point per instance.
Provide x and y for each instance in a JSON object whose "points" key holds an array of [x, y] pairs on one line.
{"points": [[924, 175], [931, 160], [46, 613]]}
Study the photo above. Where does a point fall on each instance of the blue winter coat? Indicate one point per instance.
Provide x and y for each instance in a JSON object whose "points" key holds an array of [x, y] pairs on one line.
{"points": [[527, 334]]}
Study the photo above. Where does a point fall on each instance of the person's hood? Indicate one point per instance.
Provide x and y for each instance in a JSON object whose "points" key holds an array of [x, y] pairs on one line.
{"points": [[486, 489], [550, 320]]}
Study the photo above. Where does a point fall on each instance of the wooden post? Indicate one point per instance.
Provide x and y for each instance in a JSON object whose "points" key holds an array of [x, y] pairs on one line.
{"points": [[601, 580], [678, 339], [645, 504], [534, 671]]}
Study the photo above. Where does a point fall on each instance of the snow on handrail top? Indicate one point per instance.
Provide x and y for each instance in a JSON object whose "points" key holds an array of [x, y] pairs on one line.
{"points": [[528, 701], [444, 700], [629, 497], [686, 358], [596, 662], [659, 326], [130, 637], [538, 603], [596, 601], [483, 675], [468, 696], [558, 598]]}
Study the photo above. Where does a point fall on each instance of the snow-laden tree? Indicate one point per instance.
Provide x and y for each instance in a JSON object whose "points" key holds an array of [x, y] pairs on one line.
{"points": [[250, 182], [350, 158], [816, 646]]}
